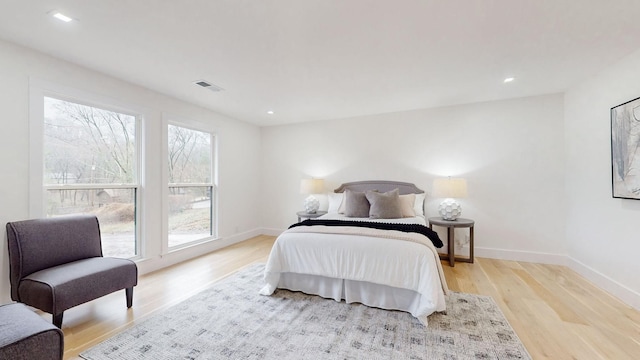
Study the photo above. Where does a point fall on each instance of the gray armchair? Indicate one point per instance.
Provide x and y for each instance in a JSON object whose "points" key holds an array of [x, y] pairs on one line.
{"points": [[57, 263], [24, 335]]}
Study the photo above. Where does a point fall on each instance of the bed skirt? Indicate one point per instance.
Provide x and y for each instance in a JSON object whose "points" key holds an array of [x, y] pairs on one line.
{"points": [[353, 291]]}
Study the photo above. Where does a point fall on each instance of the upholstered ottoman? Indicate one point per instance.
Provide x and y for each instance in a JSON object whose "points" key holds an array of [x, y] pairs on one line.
{"points": [[25, 335]]}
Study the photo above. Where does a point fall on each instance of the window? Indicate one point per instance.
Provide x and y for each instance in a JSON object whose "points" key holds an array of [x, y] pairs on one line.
{"points": [[191, 189], [91, 167]]}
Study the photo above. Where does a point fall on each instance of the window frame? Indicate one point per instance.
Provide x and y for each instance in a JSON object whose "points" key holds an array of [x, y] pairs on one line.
{"points": [[38, 90], [196, 126]]}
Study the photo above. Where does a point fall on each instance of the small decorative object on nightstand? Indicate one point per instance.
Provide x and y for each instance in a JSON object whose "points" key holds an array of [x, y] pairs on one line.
{"points": [[311, 186], [451, 225], [450, 188], [306, 215]]}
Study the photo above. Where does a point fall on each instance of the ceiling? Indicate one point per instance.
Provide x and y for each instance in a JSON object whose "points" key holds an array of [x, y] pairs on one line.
{"points": [[311, 60]]}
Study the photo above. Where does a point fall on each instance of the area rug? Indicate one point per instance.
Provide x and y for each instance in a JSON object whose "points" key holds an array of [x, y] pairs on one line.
{"points": [[231, 320]]}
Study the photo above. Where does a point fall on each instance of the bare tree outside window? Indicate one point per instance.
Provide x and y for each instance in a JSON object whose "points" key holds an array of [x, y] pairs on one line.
{"points": [[190, 185], [90, 168]]}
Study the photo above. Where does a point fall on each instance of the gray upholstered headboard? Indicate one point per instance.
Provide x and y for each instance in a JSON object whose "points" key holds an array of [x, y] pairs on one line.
{"points": [[381, 186]]}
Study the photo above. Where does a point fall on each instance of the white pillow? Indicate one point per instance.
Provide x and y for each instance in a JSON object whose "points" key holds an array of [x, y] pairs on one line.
{"points": [[335, 202], [407, 204], [342, 205], [418, 206]]}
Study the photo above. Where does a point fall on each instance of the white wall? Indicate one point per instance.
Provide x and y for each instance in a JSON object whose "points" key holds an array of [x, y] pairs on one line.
{"points": [[511, 153], [603, 233], [239, 149]]}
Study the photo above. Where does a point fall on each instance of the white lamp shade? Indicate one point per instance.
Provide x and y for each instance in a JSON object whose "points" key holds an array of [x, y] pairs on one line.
{"points": [[449, 188], [311, 186]]}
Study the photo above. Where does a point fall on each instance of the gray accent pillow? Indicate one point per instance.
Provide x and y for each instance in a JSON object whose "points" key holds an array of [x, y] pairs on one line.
{"points": [[384, 205], [355, 204]]}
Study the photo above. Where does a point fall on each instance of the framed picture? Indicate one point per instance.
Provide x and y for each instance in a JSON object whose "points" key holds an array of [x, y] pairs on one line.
{"points": [[625, 150]]}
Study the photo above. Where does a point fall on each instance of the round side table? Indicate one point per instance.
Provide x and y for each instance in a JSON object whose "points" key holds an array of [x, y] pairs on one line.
{"points": [[451, 225], [306, 215]]}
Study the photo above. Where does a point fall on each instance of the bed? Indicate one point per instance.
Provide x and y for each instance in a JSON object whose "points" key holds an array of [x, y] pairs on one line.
{"points": [[338, 257]]}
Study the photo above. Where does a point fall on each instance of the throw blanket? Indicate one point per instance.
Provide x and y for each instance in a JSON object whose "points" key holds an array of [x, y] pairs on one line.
{"points": [[408, 228]]}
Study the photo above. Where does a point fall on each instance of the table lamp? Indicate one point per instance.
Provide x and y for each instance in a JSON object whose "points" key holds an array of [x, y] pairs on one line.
{"points": [[311, 186], [450, 189]]}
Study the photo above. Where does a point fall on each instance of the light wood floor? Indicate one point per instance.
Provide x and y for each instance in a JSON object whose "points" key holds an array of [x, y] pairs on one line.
{"points": [[556, 313]]}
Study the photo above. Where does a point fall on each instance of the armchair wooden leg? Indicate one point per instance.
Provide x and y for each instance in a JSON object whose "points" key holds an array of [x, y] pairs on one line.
{"points": [[57, 320], [129, 293]]}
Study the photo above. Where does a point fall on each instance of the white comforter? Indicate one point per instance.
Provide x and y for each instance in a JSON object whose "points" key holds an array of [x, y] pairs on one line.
{"points": [[396, 263]]}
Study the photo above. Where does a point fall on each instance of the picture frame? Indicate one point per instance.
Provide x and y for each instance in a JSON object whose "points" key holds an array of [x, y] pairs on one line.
{"points": [[625, 150]]}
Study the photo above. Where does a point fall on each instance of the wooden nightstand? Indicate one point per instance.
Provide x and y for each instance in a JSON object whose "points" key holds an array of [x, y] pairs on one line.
{"points": [[451, 225], [306, 215]]}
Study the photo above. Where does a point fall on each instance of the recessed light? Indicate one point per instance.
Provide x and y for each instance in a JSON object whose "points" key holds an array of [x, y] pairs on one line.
{"points": [[509, 79], [61, 16], [270, 112]]}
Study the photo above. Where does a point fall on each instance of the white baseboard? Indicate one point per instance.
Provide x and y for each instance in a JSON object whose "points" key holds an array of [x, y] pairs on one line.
{"points": [[622, 292], [272, 232], [156, 263], [517, 255]]}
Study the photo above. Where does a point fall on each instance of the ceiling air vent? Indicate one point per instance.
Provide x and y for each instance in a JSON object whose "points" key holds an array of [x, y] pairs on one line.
{"points": [[207, 85]]}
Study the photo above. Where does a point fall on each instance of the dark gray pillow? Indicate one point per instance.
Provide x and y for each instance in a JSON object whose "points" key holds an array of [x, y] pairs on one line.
{"points": [[384, 205], [355, 204]]}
